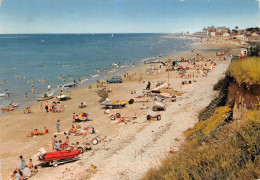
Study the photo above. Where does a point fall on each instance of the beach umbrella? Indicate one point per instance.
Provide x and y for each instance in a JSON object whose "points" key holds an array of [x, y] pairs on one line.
{"points": [[83, 115]]}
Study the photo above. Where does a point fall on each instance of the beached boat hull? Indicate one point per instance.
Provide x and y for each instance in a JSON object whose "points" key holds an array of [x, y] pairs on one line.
{"points": [[63, 97], [2, 95], [113, 104], [69, 85], [59, 155], [158, 105], [45, 98]]}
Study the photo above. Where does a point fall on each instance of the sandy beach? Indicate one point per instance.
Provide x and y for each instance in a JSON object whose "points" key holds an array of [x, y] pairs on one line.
{"points": [[127, 150]]}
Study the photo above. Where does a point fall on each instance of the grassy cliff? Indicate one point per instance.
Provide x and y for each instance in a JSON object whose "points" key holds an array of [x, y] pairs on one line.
{"points": [[219, 147]]}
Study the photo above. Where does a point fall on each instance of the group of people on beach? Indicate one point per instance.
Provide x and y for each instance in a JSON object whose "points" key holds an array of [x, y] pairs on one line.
{"points": [[54, 107], [25, 170], [58, 145], [133, 77]]}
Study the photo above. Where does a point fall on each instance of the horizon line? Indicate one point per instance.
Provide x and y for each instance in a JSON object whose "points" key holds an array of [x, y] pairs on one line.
{"points": [[93, 33]]}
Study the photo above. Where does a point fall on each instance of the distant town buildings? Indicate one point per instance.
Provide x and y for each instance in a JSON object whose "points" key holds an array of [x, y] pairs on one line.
{"points": [[235, 33]]}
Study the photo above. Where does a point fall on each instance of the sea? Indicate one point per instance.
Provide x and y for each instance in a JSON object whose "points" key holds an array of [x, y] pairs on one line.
{"points": [[30, 61]]}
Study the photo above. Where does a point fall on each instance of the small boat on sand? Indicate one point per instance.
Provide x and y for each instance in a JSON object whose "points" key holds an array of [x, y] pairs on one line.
{"points": [[58, 157], [114, 104], [71, 84], [63, 97], [159, 106], [2, 94], [45, 96]]}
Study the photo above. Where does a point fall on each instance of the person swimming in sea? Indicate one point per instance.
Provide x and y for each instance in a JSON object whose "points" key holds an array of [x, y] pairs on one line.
{"points": [[7, 93]]}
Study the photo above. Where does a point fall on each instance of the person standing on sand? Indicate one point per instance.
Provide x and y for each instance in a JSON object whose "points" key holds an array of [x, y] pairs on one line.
{"points": [[53, 142], [47, 106], [58, 125], [74, 117], [22, 166]]}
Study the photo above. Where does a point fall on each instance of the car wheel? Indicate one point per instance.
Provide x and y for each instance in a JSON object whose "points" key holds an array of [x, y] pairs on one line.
{"points": [[81, 150], [112, 117], [95, 141], [55, 164], [118, 115]]}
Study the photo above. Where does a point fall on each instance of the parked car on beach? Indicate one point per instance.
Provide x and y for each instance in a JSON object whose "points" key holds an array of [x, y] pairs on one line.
{"points": [[115, 79]]}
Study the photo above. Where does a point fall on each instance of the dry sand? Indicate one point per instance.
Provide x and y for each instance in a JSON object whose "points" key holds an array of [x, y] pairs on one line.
{"points": [[130, 149]]}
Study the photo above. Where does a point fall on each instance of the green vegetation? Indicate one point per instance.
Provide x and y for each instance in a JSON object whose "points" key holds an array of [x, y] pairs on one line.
{"points": [[245, 71], [216, 149], [219, 84], [210, 124]]}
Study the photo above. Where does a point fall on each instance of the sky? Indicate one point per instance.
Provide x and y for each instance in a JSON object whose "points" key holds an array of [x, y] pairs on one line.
{"points": [[125, 16]]}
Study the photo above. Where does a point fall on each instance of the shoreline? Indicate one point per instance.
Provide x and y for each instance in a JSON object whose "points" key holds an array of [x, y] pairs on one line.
{"points": [[117, 133], [86, 80]]}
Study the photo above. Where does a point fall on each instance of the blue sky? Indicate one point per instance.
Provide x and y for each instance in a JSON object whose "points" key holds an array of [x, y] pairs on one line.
{"points": [[124, 16]]}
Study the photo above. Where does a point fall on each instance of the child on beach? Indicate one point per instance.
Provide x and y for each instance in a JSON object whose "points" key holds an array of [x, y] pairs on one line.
{"points": [[53, 142], [47, 106], [62, 108], [30, 164], [74, 117]]}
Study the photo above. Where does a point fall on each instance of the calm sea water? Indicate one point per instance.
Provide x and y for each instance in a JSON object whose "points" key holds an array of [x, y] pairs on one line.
{"points": [[49, 56]]}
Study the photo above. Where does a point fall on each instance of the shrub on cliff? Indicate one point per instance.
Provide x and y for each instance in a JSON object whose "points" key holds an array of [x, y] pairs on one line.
{"points": [[245, 71], [219, 84], [231, 151]]}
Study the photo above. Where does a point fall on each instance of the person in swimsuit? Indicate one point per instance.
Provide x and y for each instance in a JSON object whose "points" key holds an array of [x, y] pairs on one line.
{"points": [[47, 106]]}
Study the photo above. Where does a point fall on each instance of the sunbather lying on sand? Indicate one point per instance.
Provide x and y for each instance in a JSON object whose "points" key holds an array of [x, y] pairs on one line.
{"points": [[73, 129], [36, 133]]}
